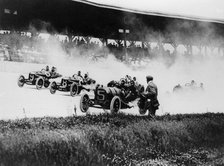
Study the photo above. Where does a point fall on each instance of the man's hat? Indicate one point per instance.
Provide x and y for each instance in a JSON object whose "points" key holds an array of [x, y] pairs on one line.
{"points": [[149, 78]]}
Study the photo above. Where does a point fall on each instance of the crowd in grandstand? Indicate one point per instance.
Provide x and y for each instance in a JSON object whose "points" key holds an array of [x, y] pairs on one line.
{"points": [[16, 46]]}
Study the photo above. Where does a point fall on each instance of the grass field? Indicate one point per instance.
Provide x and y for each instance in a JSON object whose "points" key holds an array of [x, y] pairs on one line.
{"points": [[191, 139]]}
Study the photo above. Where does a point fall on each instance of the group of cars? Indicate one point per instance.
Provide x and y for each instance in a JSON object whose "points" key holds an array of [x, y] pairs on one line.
{"points": [[114, 96], [189, 87], [43, 78]]}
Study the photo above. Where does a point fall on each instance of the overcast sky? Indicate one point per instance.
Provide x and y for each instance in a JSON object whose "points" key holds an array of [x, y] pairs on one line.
{"points": [[211, 9]]}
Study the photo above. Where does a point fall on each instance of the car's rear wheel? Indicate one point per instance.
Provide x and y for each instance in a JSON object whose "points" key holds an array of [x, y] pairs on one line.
{"points": [[74, 89], [53, 87], [142, 111], [21, 81], [84, 103], [39, 83], [141, 106], [115, 104]]}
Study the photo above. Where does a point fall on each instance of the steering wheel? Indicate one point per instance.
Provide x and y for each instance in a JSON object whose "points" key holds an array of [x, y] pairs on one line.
{"points": [[48, 74], [75, 76], [122, 79], [43, 70]]}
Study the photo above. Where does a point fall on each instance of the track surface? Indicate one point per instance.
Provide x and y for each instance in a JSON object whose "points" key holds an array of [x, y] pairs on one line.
{"points": [[16, 102]]}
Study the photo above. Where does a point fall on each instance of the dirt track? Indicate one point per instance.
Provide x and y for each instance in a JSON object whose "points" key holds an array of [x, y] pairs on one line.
{"points": [[27, 101], [23, 102]]}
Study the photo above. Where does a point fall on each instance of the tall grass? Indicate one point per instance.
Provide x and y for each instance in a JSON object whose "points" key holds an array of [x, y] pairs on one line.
{"points": [[110, 139]]}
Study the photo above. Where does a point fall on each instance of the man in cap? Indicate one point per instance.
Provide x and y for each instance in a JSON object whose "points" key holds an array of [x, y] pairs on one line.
{"points": [[152, 103], [53, 71]]}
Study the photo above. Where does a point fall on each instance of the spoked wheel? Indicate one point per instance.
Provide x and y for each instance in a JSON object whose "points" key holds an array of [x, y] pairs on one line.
{"points": [[74, 89], [115, 104], [141, 106], [84, 103], [21, 81], [53, 87], [39, 83]]}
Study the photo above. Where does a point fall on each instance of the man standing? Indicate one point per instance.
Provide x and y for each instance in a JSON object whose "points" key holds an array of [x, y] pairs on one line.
{"points": [[152, 103]]}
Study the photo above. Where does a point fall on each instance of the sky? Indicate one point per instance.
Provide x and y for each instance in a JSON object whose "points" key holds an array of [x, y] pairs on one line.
{"points": [[208, 9]]}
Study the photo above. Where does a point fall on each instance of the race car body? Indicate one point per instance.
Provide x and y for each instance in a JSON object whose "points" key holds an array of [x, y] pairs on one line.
{"points": [[74, 85], [111, 98], [38, 78]]}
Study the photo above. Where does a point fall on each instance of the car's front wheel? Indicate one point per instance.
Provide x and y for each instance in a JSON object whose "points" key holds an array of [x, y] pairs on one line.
{"points": [[53, 87], [84, 103], [115, 104], [21, 81], [39, 83], [74, 89]]}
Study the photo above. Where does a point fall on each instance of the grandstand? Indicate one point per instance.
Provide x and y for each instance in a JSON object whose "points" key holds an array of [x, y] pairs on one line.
{"points": [[82, 20]]}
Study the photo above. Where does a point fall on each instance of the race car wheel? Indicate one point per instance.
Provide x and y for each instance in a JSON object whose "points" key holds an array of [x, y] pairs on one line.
{"points": [[84, 103], [141, 88], [142, 111], [21, 81], [115, 104], [141, 106], [74, 89], [46, 84], [39, 83], [53, 87]]}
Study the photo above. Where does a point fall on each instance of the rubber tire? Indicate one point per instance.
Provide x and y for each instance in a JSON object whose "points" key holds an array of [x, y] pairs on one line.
{"points": [[84, 96], [38, 81], [142, 111], [21, 81], [72, 93], [93, 81], [52, 88], [112, 104]]}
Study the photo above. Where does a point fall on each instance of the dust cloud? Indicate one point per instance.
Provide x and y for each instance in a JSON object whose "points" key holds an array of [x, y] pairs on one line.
{"points": [[206, 69]]}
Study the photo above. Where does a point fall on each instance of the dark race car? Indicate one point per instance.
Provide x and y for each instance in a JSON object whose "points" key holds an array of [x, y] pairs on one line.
{"points": [[126, 86], [74, 85], [111, 98], [38, 78]]}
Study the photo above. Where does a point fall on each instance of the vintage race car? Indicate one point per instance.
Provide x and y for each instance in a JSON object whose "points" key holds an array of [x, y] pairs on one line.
{"points": [[38, 78], [111, 98], [188, 88], [74, 85], [125, 86]]}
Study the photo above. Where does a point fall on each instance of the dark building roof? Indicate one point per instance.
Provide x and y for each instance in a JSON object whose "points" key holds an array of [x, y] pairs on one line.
{"points": [[91, 19]]}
